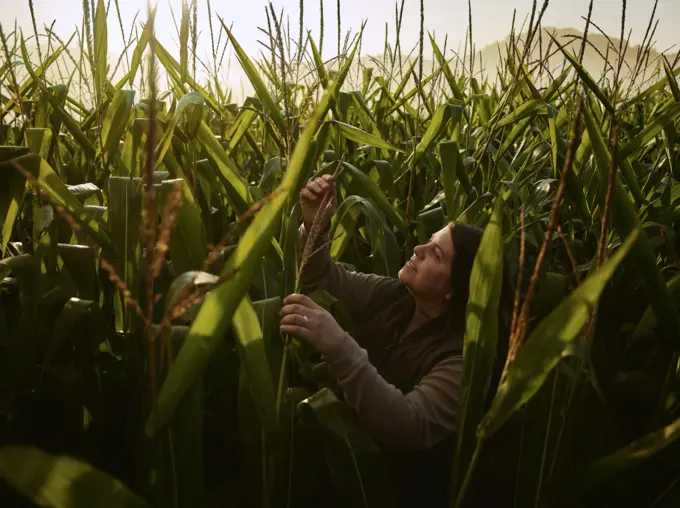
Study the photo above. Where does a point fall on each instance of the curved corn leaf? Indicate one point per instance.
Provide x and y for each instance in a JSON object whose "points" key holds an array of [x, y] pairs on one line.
{"points": [[192, 100], [626, 458], [370, 189], [542, 351], [450, 79], [439, 122], [116, 121], [84, 190], [585, 76], [355, 460], [356, 134], [63, 482], [257, 82], [379, 234], [481, 336], [515, 133], [59, 194], [528, 109]]}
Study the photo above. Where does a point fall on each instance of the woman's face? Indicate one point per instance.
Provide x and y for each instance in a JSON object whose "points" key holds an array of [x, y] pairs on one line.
{"points": [[428, 272]]}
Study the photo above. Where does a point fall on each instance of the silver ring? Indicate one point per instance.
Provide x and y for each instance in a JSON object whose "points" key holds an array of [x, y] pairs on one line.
{"points": [[305, 320]]}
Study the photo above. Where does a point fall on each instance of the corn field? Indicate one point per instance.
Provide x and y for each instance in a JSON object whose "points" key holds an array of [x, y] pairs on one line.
{"points": [[150, 233]]}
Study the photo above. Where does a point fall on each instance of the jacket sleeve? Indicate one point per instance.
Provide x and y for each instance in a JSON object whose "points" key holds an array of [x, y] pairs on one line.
{"points": [[416, 420], [354, 289]]}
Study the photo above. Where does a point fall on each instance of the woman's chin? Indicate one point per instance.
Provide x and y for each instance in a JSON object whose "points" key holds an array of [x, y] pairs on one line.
{"points": [[405, 275]]}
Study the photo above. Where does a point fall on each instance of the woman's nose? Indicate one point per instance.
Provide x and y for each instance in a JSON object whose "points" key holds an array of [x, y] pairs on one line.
{"points": [[419, 251]]}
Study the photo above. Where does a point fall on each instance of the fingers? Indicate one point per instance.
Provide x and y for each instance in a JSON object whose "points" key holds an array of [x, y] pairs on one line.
{"points": [[295, 320], [307, 194], [293, 309], [298, 299], [316, 187], [320, 185], [297, 331]]}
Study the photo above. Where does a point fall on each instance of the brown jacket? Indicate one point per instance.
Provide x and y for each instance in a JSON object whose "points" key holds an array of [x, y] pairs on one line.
{"points": [[404, 388]]}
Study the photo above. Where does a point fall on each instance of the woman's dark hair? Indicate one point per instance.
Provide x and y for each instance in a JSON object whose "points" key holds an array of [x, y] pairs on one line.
{"points": [[466, 240]]}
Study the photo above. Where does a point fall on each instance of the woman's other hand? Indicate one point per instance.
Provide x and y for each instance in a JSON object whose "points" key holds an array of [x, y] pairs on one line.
{"points": [[320, 330], [311, 196]]}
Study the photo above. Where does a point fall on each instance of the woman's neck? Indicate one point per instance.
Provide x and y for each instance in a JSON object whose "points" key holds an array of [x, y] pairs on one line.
{"points": [[424, 313]]}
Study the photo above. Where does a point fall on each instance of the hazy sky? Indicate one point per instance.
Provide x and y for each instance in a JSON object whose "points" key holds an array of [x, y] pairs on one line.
{"points": [[491, 19]]}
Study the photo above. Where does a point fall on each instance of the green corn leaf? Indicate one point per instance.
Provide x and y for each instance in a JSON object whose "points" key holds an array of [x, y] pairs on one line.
{"points": [[439, 122], [216, 313], [173, 68], [101, 50], [528, 109], [84, 190], [554, 86], [116, 121], [189, 239], [585, 76], [672, 83], [318, 62], [649, 321], [190, 101], [36, 74], [412, 93], [355, 460], [12, 186], [72, 126], [63, 482], [257, 82], [626, 458], [448, 74], [184, 42], [481, 336], [356, 134], [520, 127], [450, 163], [380, 236], [239, 195], [538, 356], [251, 349], [39, 140], [371, 190], [59, 194], [142, 43], [642, 96], [625, 221], [667, 117]]}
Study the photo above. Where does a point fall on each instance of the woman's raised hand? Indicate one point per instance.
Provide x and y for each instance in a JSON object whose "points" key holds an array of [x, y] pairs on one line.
{"points": [[311, 196], [303, 318]]}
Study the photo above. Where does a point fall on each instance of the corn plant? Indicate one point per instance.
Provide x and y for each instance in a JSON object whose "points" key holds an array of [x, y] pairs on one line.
{"points": [[150, 233]]}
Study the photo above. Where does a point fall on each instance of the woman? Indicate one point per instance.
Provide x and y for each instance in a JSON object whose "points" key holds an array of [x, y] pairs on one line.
{"points": [[401, 367]]}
